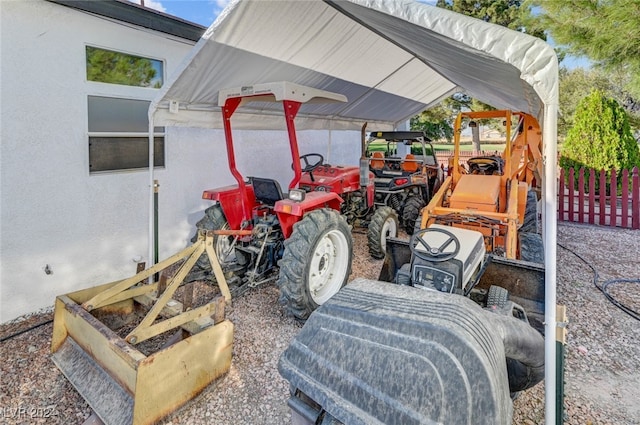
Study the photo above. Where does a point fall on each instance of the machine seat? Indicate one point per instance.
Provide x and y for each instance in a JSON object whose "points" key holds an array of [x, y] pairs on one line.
{"points": [[377, 161], [409, 165], [267, 191]]}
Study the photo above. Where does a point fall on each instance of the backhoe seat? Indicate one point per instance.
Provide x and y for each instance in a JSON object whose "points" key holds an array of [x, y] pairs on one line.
{"points": [[267, 191], [409, 164]]}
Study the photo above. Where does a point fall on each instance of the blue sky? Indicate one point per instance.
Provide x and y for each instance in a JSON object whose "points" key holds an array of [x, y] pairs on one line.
{"points": [[204, 12], [201, 12]]}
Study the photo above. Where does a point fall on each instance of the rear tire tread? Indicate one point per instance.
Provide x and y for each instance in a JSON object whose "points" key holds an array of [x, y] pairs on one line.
{"points": [[411, 212], [213, 219], [497, 296]]}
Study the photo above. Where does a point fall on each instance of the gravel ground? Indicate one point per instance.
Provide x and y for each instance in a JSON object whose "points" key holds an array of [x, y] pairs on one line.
{"points": [[602, 378]]}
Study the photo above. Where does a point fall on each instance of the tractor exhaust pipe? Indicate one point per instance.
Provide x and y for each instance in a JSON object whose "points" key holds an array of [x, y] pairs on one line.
{"points": [[364, 162]]}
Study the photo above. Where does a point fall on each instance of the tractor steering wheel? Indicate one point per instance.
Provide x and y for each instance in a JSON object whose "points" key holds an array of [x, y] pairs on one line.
{"points": [[437, 254], [308, 165]]}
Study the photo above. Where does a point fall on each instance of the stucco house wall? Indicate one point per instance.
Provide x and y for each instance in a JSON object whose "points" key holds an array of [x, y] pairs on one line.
{"points": [[63, 228]]}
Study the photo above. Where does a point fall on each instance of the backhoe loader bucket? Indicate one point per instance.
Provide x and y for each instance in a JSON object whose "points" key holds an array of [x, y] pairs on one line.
{"points": [[128, 382]]}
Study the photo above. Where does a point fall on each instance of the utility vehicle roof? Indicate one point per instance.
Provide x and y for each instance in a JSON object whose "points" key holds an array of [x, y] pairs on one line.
{"points": [[400, 135]]}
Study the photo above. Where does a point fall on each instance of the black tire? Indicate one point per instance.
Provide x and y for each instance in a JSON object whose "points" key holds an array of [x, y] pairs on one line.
{"points": [[531, 247], [530, 222], [213, 219], [384, 224], [497, 296], [411, 212], [316, 262]]}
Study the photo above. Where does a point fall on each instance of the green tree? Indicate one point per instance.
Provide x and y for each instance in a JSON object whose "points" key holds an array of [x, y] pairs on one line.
{"points": [[605, 31], [437, 122], [119, 68], [575, 85], [434, 122], [578, 83], [513, 14], [600, 137]]}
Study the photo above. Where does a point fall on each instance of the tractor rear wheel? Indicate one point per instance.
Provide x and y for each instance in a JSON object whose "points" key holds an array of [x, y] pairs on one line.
{"points": [[411, 212], [384, 224], [530, 222], [213, 219], [316, 262], [531, 247]]}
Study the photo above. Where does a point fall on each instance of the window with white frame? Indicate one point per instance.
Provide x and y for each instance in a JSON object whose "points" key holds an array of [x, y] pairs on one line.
{"points": [[119, 127], [109, 66]]}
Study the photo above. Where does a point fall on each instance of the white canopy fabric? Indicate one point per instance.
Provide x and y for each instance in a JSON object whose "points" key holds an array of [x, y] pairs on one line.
{"points": [[391, 59]]}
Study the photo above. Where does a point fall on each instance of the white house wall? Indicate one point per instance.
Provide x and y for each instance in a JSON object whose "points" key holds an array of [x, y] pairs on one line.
{"points": [[92, 228]]}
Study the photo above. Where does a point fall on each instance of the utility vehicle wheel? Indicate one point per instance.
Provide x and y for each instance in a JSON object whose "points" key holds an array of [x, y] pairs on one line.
{"points": [[383, 225], [213, 219], [530, 223], [316, 262], [411, 212], [497, 296], [531, 247]]}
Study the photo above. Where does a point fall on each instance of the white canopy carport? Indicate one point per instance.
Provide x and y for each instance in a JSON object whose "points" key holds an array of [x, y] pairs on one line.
{"points": [[391, 59]]}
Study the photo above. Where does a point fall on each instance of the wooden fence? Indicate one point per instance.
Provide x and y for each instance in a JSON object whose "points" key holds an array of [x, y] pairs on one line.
{"points": [[615, 202], [443, 156]]}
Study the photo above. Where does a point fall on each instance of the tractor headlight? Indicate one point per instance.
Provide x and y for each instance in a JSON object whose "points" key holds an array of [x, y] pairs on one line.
{"points": [[296, 195]]}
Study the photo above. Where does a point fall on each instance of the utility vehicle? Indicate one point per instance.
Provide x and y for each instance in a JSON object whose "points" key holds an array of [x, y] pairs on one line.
{"points": [[404, 181]]}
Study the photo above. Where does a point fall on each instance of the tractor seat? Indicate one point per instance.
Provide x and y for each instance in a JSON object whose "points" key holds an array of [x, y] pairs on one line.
{"points": [[377, 161], [486, 165], [266, 191], [409, 165]]}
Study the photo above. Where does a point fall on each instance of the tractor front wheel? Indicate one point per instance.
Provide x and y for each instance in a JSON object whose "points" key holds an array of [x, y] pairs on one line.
{"points": [[316, 262], [384, 224]]}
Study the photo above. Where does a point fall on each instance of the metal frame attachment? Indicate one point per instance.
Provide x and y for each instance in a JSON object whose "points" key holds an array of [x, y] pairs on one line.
{"points": [[121, 383]]}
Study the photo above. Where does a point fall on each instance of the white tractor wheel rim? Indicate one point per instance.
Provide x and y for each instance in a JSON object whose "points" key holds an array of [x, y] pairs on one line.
{"points": [[389, 230], [328, 266], [223, 247]]}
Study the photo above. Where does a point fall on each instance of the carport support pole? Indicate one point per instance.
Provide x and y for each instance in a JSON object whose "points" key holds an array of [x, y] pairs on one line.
{"points": [[549, 230], [156, 189], [152, 259]]}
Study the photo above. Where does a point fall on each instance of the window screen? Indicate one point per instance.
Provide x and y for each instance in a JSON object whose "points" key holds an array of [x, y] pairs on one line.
{"points": [[123, 153], [118, 135]]}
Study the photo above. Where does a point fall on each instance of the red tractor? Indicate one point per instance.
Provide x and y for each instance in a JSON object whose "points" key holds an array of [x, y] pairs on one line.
{"points": [[302, 239], [357, 187]]}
